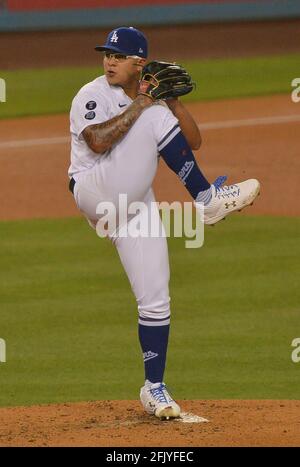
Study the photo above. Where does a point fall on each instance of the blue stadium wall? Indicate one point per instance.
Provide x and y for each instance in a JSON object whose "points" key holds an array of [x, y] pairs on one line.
{"points": [[17, 15]]}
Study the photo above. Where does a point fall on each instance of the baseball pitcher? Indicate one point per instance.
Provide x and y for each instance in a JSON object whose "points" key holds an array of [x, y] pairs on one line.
{"points": [[120, 123]]}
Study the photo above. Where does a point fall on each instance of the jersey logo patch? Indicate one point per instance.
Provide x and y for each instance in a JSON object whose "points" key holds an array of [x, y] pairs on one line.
{"points": [[90, 115], [114, 37], [91, 105]]}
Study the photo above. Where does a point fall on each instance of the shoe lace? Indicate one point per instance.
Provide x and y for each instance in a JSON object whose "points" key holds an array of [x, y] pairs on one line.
{"points": [[226, 191], [219, 181], [159, 393]]}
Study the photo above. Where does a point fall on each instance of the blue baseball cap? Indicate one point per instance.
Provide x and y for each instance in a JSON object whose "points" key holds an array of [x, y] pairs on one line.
{"points": [[127, 41]]}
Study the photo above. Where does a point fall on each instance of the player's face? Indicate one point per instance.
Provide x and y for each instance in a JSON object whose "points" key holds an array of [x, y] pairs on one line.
{"points": [[122, 70]]}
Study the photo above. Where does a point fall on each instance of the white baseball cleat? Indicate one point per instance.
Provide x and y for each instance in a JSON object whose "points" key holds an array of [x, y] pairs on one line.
{"points": [[157, 401], [229, 198]]}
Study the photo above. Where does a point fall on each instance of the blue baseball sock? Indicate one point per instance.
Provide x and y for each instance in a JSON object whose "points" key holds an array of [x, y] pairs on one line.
{"points": [[154, 343], [178, 156]]}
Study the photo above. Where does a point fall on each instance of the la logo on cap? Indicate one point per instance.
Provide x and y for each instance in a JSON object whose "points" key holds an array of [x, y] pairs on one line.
{"points": [[114, 37]]}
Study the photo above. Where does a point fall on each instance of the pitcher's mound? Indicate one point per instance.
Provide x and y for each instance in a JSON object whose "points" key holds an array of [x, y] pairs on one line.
{"points": [[123, 423]]}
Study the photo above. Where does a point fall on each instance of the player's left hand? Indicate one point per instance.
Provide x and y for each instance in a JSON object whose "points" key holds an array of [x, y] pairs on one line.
{"points": [[163, 80]]}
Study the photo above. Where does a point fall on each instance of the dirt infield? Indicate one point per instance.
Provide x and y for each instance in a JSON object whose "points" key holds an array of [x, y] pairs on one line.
{"points": [[123, 423]]}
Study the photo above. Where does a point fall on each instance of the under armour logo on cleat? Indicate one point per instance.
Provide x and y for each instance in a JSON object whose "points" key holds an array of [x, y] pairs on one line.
{"points": [[233, 204]]}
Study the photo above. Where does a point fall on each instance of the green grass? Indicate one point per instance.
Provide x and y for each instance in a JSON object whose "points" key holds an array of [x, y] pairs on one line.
{"points": [[46, 91], [69, 318]]}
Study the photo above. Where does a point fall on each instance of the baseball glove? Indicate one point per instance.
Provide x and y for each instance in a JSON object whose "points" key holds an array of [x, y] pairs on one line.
{"points": [[163, 80]]}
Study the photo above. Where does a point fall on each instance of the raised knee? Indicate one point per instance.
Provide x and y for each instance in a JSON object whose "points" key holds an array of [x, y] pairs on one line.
{"points": [[155, 313]]}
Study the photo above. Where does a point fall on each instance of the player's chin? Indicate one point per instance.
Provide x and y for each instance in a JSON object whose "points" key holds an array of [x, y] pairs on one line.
{"points": [[112, 79]]}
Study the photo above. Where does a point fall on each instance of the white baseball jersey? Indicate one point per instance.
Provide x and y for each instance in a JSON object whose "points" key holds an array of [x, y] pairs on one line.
{"points": [[95, 103], [129, 167]]}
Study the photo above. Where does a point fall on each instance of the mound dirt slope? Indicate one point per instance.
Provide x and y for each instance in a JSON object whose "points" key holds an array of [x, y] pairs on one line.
{"points": [[123, 423]]}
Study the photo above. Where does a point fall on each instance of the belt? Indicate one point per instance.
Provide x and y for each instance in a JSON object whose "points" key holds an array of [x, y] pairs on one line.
{"points": [[71, 185]]}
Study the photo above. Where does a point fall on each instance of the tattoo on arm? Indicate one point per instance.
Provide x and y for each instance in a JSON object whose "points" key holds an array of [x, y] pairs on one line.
{"points": [[102, 136]]}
